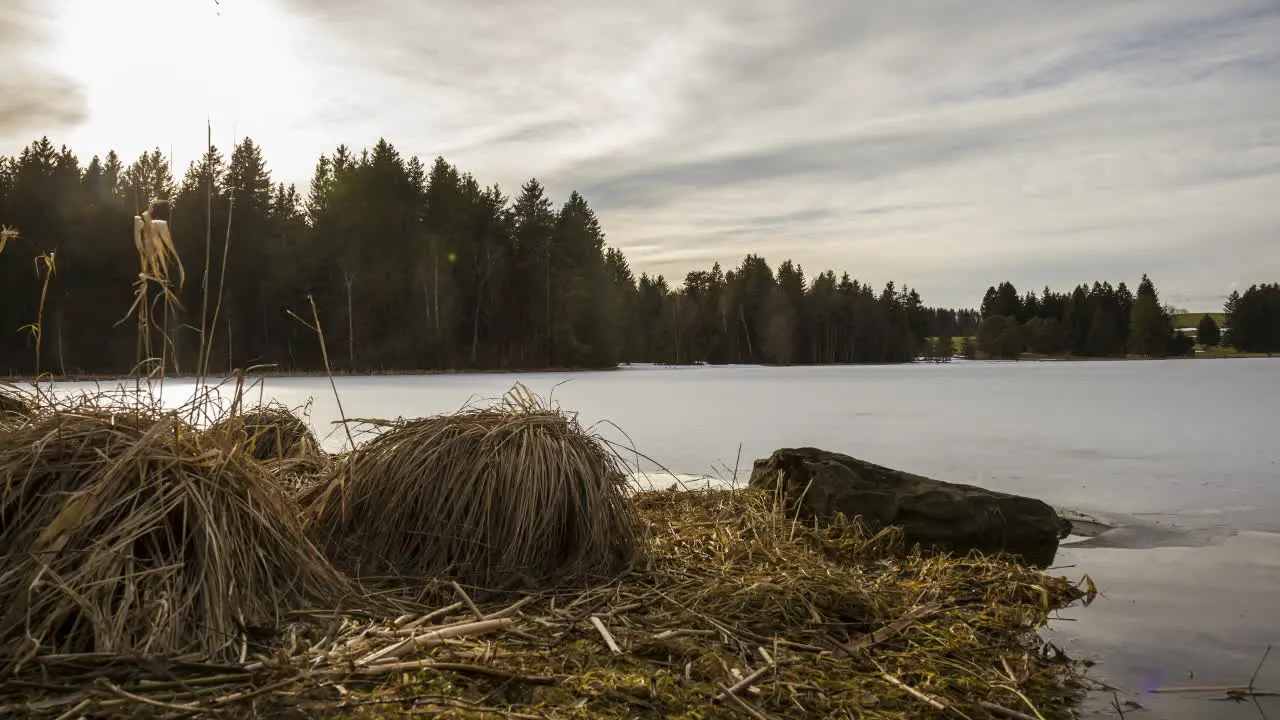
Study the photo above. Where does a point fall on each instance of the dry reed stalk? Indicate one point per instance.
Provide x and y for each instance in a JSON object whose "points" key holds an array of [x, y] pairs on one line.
{"points": [[6, 234], [201, 370], [155, 250], [45, 260], [207, 343], [517, 494], [126, 530]]}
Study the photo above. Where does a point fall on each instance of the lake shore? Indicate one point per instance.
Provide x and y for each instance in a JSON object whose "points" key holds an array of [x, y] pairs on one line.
{"points": [[268, 373]]}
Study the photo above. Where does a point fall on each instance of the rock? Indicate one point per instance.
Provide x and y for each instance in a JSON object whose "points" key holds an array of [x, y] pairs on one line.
{"points": [[938, 515]]}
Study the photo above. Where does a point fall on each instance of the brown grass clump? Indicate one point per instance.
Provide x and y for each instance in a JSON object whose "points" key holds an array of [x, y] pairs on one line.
{"points": [[271, 432], [128, 530], [517, 494], [14, 404]]}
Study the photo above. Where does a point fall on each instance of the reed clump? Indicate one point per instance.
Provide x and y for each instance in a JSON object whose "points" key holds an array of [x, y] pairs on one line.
{"points": [[517, 494], [14, 404], [270, 432], [126, 530]]}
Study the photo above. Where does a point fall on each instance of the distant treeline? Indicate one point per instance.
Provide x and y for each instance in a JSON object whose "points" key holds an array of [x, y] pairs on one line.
{"points": [[411, 268], [1106, 321]]}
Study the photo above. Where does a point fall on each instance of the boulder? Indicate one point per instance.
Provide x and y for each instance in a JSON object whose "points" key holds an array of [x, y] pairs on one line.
{"points": [[938, 515]]}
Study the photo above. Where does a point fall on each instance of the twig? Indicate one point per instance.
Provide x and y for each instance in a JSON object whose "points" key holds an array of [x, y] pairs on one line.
{"points": [[467, 599], [678, 632], [932, 701], [246, 694], [604, 633], [888, 631], [1003, 711], [741, 704], [464, 668], [510, 609], [1254, 678], [747, 681], [117, 690], [75, 711], [324, 354], [1201, 688], [433, 638]]}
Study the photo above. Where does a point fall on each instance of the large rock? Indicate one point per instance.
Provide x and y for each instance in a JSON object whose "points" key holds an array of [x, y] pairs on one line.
{"points": [[938, 515]]}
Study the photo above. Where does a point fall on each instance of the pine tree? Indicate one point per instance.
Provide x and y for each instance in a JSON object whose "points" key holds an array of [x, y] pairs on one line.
{"points": [[1208, 333], [1150, 328]]}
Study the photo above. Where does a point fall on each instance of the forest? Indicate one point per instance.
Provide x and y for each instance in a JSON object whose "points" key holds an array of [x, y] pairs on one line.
{"points": [[1104, 321], [410, 267]]}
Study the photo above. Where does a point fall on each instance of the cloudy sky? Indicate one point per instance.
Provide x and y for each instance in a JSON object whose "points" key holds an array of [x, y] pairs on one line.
{"points": [[948, 144]]}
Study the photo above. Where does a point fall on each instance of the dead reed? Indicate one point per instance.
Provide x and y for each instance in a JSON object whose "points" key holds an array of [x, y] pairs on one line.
{"points": [[517, 494], [6, 234], [739, 612], [270, 432], [14, 403], [125, 530]]}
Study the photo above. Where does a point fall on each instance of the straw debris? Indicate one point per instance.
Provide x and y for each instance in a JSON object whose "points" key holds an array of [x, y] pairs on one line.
{"points": [[513, 495], [124, 530], [739, 612]]}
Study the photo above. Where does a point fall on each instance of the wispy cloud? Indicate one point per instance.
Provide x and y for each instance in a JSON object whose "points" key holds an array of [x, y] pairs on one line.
{"points": [[948, 144], [33, 100]]}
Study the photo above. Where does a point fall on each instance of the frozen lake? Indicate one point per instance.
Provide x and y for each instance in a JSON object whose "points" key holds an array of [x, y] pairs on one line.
{"points": [[1183, 451]]}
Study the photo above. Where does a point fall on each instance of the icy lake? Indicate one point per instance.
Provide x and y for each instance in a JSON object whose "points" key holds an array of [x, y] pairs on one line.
{"points": [[1181, 456]]}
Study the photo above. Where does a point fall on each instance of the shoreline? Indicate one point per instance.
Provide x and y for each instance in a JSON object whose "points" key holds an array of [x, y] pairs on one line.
{"points": [[1025, 358]]}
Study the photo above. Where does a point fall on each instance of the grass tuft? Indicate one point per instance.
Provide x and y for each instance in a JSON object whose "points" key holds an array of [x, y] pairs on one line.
{"points": [[15, 404], [127, 530], [517, 494], [270, 432]]}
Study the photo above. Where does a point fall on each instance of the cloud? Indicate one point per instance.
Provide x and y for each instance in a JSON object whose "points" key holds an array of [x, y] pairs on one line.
{"points": [[947, 144], [33, 100]]}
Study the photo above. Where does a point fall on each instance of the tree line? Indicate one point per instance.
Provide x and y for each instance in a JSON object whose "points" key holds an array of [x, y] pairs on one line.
{"points": [[1253, 319], [1107, 321], [409, 267]]}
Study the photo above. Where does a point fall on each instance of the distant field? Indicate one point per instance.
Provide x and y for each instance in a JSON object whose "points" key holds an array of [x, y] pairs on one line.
{"points": [[957, 343], [1190, 320]]}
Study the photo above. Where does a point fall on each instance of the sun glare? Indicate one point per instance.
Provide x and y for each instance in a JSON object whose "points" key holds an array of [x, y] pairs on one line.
{"points": [[169, 65]]}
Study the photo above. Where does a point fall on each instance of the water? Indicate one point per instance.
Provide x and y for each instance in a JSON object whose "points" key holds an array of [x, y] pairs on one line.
{"points": [[1183, 454]]}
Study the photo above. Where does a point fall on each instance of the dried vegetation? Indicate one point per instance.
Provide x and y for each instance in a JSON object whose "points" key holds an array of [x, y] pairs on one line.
{"points": [[129, 532], [15, 404], [735, 611], [512, 495]]}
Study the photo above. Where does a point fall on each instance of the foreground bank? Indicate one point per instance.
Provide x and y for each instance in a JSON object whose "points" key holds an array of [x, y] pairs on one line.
{"points": [[729, 606]]}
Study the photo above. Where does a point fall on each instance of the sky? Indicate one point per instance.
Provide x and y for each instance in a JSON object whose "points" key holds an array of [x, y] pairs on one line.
{"points": [[945, 144]]}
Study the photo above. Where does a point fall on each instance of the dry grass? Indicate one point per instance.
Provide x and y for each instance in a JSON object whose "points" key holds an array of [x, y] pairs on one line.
{"points": [[126, 530], [271, 432], [14, 403], [739, 612], [6, 234], [517, 494]]}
